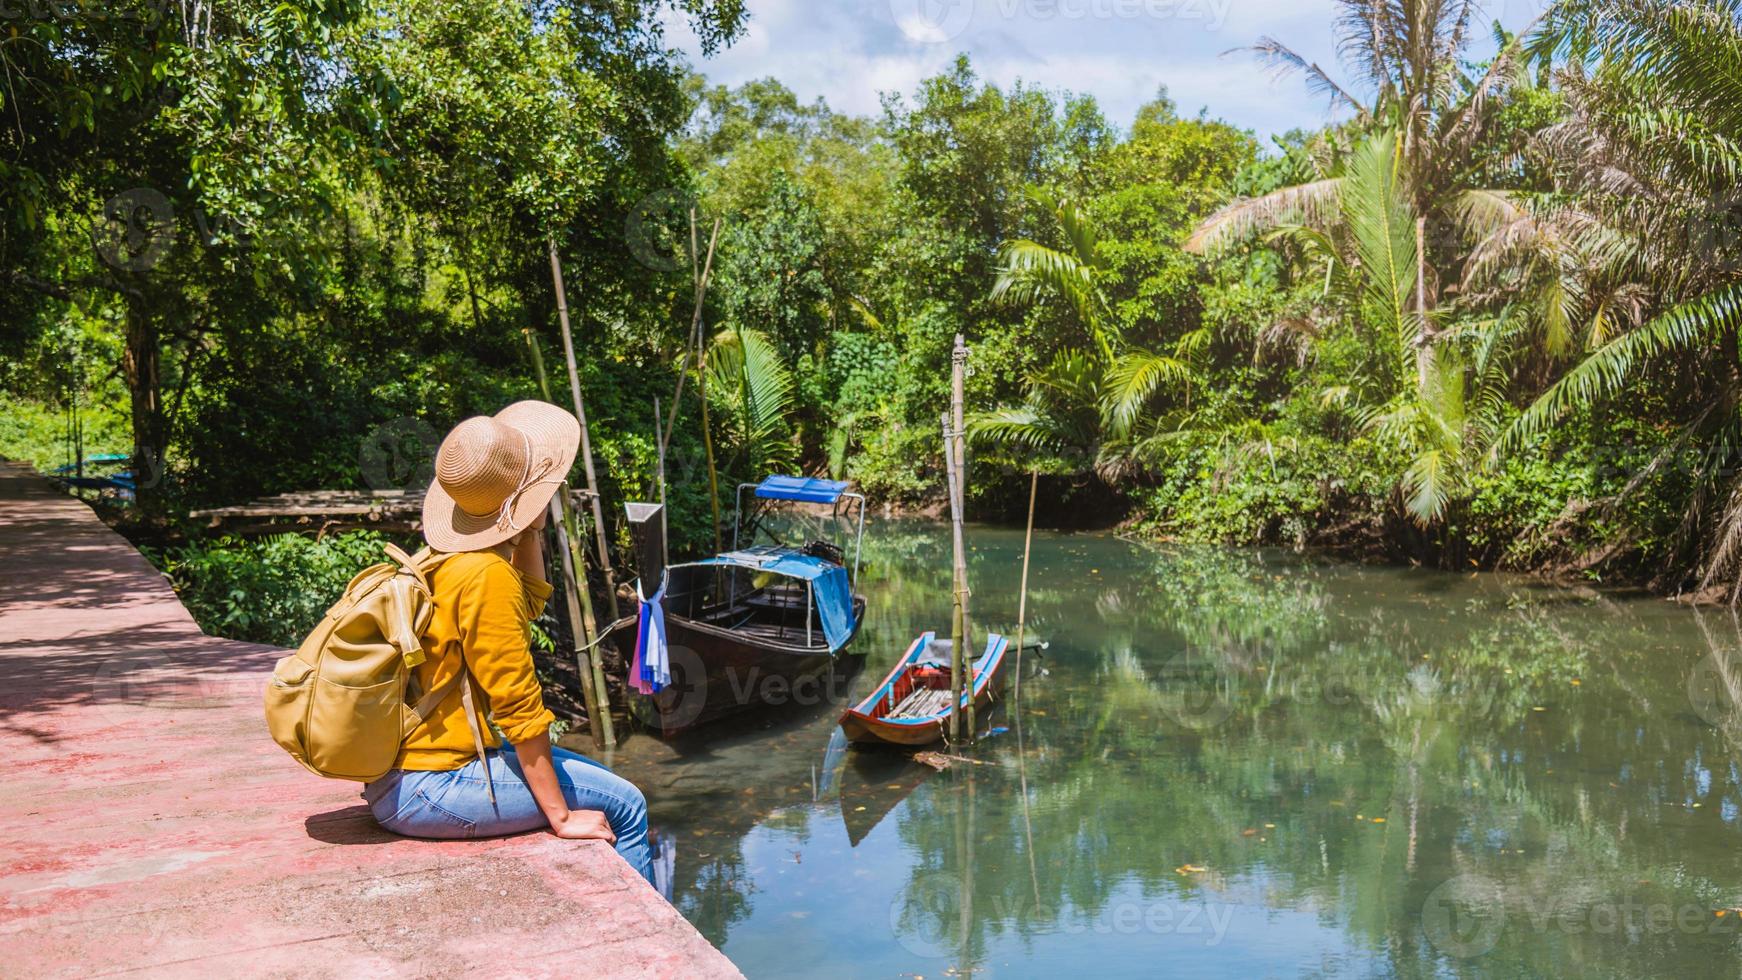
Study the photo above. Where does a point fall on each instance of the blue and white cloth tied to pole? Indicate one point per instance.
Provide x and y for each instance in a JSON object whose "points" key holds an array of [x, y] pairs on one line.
{"points": [[650, 672]]}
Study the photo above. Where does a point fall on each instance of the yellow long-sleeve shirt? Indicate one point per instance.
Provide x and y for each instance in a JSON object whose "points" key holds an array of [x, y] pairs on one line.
{"points": [[483, 608]]}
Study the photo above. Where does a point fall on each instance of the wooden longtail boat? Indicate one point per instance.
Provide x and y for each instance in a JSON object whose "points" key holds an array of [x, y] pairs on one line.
{"points": [[912, 705], [763, 625]]}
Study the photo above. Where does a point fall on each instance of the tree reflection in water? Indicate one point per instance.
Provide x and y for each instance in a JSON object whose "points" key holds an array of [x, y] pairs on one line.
{"points": [[1306, 751]]}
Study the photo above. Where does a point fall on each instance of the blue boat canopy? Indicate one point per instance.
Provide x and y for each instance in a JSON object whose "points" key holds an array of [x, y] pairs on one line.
{"points": [[829, 587], [810, 490]]}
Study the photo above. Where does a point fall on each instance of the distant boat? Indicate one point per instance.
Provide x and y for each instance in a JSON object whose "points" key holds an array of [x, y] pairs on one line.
{"points": [[912, 705], [763, 625]]}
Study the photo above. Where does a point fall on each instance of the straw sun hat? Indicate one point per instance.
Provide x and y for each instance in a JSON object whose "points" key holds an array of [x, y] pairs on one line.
{"points": [[494, 474]]}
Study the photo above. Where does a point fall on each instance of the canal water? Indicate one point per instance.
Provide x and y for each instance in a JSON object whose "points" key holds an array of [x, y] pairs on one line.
{"points": [[1236, 763]]}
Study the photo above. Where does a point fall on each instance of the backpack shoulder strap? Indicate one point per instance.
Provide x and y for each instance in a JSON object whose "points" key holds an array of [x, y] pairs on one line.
{"points": [[427, 704]]}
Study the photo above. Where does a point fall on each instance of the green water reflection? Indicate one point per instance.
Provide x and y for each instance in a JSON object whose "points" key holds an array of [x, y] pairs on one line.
{"points": [[1239, 764]]}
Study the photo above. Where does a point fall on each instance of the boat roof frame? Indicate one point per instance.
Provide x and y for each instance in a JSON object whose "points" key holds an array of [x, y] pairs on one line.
{"points": [[835, 514]]}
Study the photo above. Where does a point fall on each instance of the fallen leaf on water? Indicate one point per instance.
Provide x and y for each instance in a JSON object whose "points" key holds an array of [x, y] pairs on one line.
{"points": [[857, 809], [1190, 869], [1378, 819], [1249, 832], [1270, 826], [1539, 708]]}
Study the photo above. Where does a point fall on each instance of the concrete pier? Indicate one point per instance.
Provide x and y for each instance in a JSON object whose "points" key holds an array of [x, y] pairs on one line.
{"points": [[148, 824]]}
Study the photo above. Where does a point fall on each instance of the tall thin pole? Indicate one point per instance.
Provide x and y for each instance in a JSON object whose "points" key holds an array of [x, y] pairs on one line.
{"points": [[1016, 700], [959, 447], [562, 309], [594, 694], [664, 528], [579, 599], [702, 388], [694, 340], [1022, 596], [956, 566]]}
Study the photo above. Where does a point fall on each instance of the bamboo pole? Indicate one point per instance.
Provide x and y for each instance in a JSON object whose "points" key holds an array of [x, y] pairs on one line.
{"points": [[585, 627], [594, 660], [1022, 596], [562, 309], [958, 442], [664, 527], [955, 726], [702, 391], [1016, 699], [693, 341]]}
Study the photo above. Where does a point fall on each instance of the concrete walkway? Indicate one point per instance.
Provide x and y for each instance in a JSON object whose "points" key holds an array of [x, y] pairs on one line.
{"points": [[149, 825]]}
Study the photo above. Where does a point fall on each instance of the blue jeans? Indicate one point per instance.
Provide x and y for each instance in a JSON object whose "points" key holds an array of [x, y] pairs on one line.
{"points": [[456, 804]]}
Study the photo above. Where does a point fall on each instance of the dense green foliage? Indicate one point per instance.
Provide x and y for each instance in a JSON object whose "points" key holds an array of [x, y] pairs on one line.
{"points": [[267, 590], [1492, 318]]}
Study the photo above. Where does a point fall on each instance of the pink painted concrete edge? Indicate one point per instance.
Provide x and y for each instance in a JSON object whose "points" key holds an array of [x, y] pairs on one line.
{"points": [[148, 825]]}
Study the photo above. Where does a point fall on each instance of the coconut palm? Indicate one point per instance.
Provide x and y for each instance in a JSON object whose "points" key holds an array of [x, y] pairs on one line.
{"points": [[1409, 53], [1652, 147], [1442, 423]]}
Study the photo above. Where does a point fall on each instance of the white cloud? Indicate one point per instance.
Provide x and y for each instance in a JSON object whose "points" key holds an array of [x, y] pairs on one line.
{"points": [[1120, 51]]}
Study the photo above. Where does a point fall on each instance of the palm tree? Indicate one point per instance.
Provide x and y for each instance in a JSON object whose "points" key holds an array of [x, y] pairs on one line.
{"points": [[1652, 148], [1443, 422], [748, 380], [1087, 401], [1409, 52]]}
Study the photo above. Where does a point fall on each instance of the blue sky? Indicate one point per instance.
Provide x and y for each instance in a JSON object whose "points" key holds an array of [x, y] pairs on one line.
{"points": [[1121, 51]]}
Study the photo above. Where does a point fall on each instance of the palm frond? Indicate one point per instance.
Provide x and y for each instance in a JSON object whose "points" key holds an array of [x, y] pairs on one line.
{"points": [[1029, 271], [1130, 383], [1283, 61], [1611, 367], [1312, 204], [1376, 206], [746, 373]]}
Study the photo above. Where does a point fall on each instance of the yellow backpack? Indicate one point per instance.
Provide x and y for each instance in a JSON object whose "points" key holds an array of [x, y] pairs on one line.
{"points": [[339, 704]]}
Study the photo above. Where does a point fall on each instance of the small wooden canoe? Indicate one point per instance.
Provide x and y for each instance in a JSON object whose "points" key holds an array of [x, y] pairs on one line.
{"points": [[912, 705]]}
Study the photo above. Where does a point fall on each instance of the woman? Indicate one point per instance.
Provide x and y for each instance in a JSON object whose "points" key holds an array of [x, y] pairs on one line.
{"points": [[494, 479]]}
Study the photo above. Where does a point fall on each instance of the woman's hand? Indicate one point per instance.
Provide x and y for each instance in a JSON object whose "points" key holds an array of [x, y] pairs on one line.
{"points": [[528, 554], [584, 825]]}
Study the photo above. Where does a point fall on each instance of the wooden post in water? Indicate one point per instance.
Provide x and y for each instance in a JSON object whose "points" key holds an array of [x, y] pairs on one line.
{"points": [[959, 440], [1022, 595], [562, 310], [956, 571], [961, 632]]}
